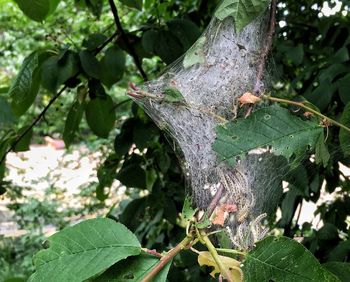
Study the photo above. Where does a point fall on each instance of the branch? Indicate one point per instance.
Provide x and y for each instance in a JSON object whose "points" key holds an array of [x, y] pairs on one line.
{"points": [[126, 40], [167, 258], [53, 99], [266, 49], [263, 56]]}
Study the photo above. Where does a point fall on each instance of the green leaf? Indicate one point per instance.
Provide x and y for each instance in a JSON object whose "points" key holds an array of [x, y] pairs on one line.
{"points": [[163, 44], [94, 41], [321, 152], [107, 171], [287, 205], [144, 134], [274, 126], [137, 4], [195, 55], [296, 54], [187, 211], [283, 259], [79, 252], [242, 11], [204, 222], [23, 144], [339, 269], [100, 115], [344, 136], [26, 85], [6, 116], [90, 64], [124, 139], [56, 70], [72, 123], [344, 88], [172, 95], [132, 175], [134, 213], [186, 31], [134, 269], [341, 56], [112, 66], [95, 6], [37, 10]]}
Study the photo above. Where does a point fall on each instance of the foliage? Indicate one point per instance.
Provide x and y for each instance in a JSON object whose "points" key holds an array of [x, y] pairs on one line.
{"points": [[87, 66]]}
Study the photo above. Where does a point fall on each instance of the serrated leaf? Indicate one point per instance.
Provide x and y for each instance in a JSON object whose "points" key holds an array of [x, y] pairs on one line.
{"points": [[195, 55], [79, 252], [26, 85], [283, 259], [37, 10], [112, 66], [134, 269], [90, 64], [339, 269], [72, 123], [205, 258], [172, 95], [56, 70], [100, 115], [344, 135], [273, 126], [137, 4], [242, 11], [321, 152], [187, 211]]}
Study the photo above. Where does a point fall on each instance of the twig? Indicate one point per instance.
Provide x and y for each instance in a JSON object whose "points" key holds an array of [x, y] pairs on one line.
{"points": [[223, 269], [301, 105], [215, 200], [126, 40], [104, 44], [53, 99], [152, 252], [165, 259], [38, 118]]}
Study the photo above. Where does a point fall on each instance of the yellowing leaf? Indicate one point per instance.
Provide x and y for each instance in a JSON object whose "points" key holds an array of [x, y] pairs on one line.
{"points": [[233, 265]]}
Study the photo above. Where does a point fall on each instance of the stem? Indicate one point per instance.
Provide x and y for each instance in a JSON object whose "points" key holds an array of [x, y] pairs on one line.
{"points": [[152, 252], [224, 271], [230, 251], [126, 40], [301, 105], [165, 259]]}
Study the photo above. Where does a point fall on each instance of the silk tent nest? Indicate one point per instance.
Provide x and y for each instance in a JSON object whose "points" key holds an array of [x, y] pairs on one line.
{"points": [[195, 95]]}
